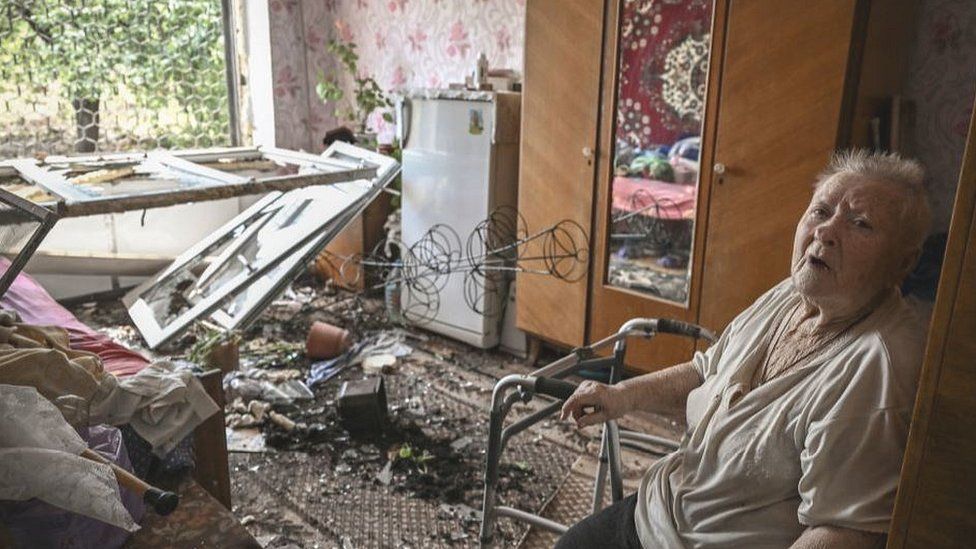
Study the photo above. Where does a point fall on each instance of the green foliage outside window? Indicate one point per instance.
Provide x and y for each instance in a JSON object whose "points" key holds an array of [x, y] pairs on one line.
{"points": [[148, 72]]}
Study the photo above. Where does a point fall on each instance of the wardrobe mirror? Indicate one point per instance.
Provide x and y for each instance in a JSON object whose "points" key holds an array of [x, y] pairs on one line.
{"points": [[662, 65]]}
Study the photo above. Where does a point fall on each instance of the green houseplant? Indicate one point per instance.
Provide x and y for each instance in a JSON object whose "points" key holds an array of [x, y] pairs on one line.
{"points": [[367, 95], [354, 108]]}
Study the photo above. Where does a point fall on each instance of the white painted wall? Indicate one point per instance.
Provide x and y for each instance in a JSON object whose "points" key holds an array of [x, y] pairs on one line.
{"points": [[164, 232]]}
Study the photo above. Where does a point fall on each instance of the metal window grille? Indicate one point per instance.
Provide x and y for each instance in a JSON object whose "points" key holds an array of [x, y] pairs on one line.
{"points": [[115, 75]]}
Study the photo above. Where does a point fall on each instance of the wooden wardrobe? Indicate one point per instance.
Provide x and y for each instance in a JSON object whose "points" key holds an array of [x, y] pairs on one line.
{"points": [[787, 83], [560, 98], [936, 503]]}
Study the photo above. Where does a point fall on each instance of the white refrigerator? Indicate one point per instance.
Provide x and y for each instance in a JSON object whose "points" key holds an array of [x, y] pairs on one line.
{"points": [[460, 163]]}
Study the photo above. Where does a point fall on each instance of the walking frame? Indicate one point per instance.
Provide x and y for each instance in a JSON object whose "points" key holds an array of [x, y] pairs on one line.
{"points": [[547, 381]]}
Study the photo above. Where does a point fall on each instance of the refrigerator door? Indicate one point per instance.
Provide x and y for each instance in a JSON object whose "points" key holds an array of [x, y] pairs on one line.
{"points": [[447, 163]]}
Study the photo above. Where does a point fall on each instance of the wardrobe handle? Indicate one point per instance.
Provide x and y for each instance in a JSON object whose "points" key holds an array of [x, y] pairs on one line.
{"points": [[588, 155], [718, 172]]}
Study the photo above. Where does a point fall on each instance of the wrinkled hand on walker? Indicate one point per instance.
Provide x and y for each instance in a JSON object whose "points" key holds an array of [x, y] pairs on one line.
{"points": [[595, 403]]}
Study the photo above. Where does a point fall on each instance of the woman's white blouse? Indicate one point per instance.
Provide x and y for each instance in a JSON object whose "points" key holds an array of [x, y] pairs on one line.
{"points": [[819, 445]]}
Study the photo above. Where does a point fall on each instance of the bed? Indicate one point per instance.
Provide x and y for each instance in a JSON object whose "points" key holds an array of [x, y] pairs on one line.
{"points": [[35, 306], [652, 198], [203, 518]]}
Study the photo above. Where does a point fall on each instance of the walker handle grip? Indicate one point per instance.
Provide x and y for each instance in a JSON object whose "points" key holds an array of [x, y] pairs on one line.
{"points": [[554, 387], [671, 326]]}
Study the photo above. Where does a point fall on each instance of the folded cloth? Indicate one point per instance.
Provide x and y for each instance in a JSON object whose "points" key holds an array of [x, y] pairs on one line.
{"points": [[40, 458], [163, 403], [38, 356]]}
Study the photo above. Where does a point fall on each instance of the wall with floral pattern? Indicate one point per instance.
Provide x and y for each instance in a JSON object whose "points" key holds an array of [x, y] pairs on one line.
{"points": [[942, 84], [431, 43], [401, 44], [299, 35]]}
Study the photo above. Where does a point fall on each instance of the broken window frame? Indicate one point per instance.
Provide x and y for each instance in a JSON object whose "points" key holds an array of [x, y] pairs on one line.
{"points": [[282, 275], [211, 183], [46, 218], [288, 259]]}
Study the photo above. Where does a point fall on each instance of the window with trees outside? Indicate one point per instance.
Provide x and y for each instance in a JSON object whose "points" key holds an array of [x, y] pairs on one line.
{"points": [[114, 75]]}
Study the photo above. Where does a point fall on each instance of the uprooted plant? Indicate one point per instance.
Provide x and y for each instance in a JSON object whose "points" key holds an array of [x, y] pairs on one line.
{"points": [[210, 340], [415, 457]]}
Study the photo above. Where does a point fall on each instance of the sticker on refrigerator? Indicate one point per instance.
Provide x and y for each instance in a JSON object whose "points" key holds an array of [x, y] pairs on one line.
{"points": [[476, 122]]}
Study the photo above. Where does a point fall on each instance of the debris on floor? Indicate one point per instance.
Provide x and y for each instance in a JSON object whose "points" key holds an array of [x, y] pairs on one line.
{"points": [[300, 477], [362, 405], [303, 474]]}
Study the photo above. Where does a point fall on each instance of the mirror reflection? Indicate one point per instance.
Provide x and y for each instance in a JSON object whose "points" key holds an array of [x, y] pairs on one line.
{"points": [[661, 84]]}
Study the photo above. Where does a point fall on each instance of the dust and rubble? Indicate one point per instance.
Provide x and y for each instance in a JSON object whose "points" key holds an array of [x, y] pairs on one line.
{"points": [[300, 478]]}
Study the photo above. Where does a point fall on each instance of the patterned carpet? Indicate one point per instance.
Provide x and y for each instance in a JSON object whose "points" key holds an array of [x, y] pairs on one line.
{"points": [[303, 499]]}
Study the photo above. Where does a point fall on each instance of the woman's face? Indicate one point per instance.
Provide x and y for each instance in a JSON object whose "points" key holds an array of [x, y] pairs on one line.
{"points": [[851, 244]]}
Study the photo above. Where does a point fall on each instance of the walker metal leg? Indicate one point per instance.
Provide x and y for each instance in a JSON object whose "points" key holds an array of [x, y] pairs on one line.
{"points": [[613, 450], [534, 520], [610, 444], [492, 459], [665, 443], [601, 472], [609, 463]]}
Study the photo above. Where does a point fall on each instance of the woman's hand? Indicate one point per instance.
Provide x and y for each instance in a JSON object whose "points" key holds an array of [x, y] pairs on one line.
{"points": [[594, 403]]}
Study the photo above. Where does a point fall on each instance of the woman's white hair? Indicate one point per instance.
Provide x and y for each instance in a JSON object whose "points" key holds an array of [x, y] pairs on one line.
{"points": [[891, 168]]}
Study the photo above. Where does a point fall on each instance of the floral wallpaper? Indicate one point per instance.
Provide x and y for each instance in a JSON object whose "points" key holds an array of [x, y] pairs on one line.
{"points": [[431, 43], [401, 44], [942, 84], [299, 34]]}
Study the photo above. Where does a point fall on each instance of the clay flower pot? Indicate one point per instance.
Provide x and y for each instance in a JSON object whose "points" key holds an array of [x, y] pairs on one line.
{"points": [[327, 341]]}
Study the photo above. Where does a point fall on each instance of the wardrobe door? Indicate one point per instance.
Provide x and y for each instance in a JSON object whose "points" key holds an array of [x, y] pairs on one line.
{"points": [[659, 105], [935, 506], [780, 109], [560, 102]]}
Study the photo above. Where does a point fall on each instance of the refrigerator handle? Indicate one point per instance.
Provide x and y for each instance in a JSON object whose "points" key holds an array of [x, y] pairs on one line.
{"points": [[403, 120]]}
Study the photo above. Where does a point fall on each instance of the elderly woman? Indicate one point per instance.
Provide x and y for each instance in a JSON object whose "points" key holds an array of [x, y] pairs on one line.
{"points": [[798, 415]]}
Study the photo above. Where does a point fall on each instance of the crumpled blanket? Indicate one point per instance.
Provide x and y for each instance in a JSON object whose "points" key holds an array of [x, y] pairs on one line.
{"points": [[39, 356], [164, 402], [39, 458]]}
